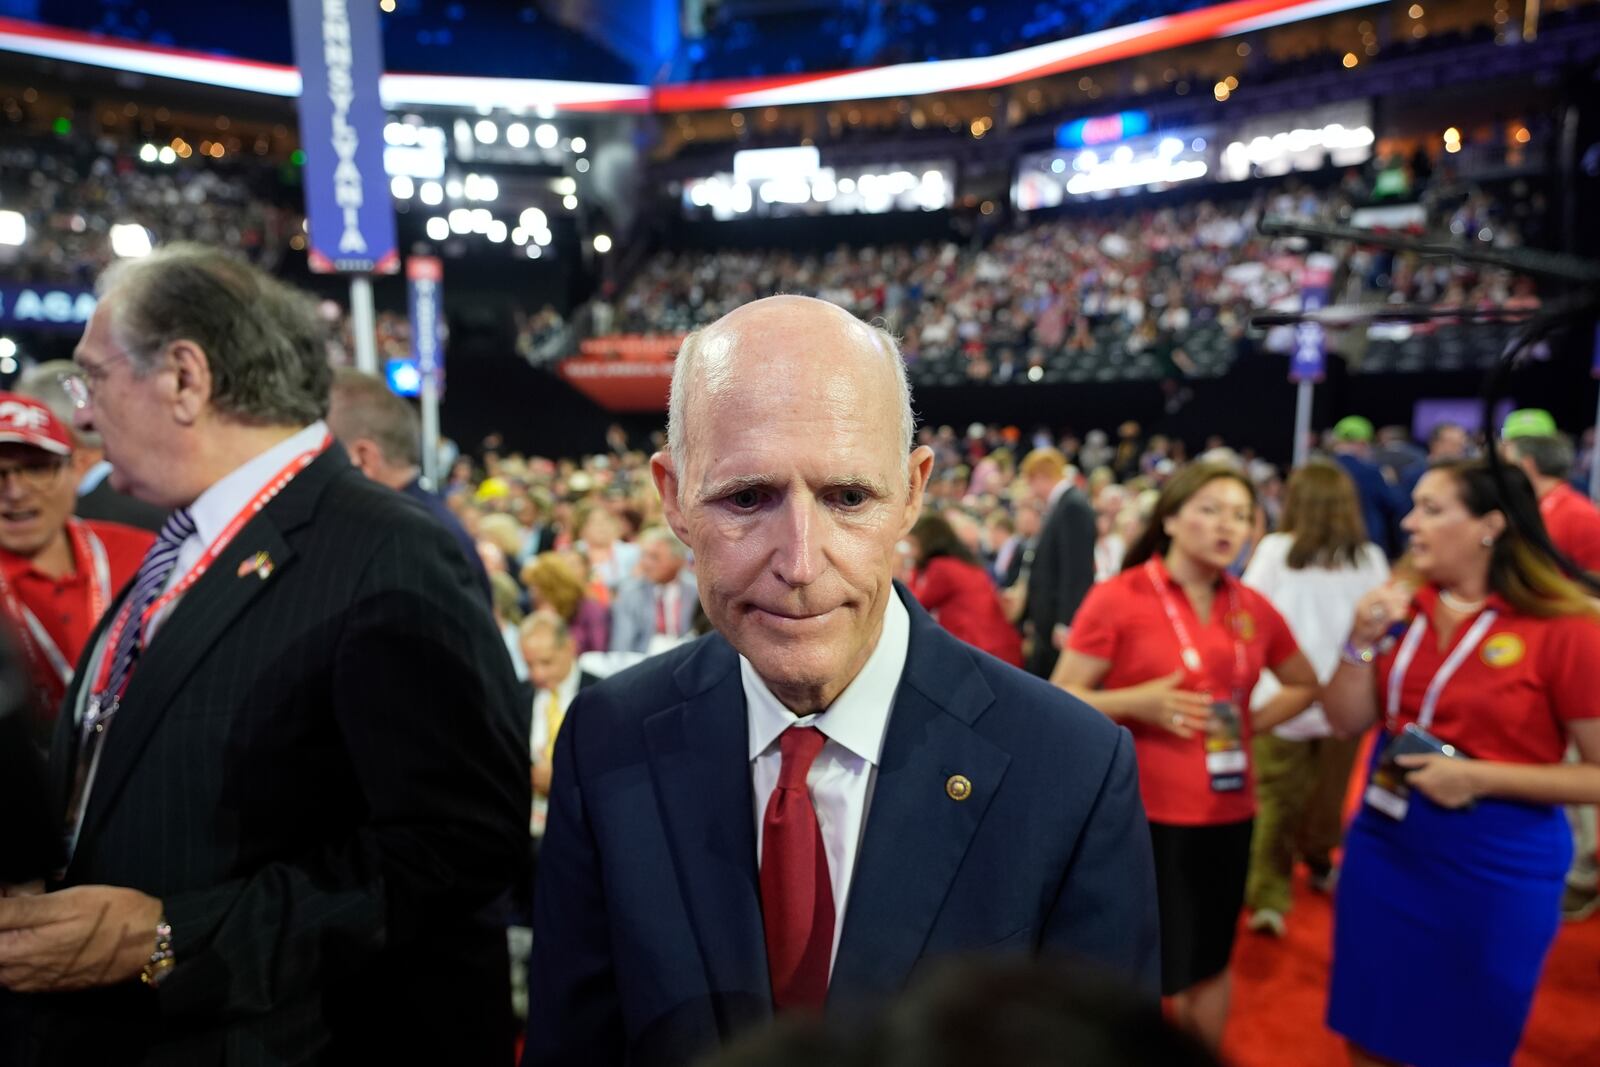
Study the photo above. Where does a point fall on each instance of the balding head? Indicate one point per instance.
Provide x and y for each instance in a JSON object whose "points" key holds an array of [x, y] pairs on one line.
{"points": [[756, 337], [790, 474]]}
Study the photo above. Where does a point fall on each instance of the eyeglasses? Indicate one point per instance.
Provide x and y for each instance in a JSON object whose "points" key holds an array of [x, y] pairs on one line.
{"points": [[39, 475], [81, 384]]}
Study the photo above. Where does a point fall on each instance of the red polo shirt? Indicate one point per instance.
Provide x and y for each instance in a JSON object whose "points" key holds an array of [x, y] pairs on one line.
{"points": [[1122, 620], [1573, 524], [963, 598], [62, 604], [1511, 699]]}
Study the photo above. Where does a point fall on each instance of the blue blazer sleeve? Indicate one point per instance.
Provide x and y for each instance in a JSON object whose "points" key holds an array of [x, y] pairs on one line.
{"points": [[1106, 910], [574, 1010]]}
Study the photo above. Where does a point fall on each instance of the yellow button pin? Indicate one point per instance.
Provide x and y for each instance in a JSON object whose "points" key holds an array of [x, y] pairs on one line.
{"points": [[958, 787]]}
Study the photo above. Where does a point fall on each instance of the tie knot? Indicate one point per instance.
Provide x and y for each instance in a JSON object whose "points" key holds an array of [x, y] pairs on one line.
{"points": [[799, 746], [178, 527]]}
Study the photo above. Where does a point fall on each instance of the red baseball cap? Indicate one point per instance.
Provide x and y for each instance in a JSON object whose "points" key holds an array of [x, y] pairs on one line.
{"points": [[25, 421]]}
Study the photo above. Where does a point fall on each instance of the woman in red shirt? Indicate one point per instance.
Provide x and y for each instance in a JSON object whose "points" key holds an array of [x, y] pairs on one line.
{"points": [[1172, 647], [958, 592], [1450, 892]]}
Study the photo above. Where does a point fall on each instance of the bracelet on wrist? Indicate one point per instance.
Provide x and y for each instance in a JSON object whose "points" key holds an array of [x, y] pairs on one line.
{"points": [[1358, 655], [160, 964]]}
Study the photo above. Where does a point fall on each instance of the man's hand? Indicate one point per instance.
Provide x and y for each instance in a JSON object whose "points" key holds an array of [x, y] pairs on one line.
{"points": [[78, 938]]}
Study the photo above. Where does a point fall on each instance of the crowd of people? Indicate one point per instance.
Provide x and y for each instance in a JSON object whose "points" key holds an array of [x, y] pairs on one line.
{"points": [[1152, 291], [72, 189], [876, 596], [1069, 568]]}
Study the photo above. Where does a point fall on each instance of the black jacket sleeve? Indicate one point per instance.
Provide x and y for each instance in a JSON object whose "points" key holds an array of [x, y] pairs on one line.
{"points": [[1062, 575], [423, 696]]}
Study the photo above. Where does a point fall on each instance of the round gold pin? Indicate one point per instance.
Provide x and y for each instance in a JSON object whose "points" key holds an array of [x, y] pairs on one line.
{"points": [[958, 787]]}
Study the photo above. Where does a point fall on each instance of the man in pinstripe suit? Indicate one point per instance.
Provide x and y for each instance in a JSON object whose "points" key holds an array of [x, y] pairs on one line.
{"points": [[291, 772]]}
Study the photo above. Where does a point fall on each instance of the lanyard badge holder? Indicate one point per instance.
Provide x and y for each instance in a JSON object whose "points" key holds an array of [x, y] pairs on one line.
{"points": [[103, 703], [1387, 791], [1227, 759]]}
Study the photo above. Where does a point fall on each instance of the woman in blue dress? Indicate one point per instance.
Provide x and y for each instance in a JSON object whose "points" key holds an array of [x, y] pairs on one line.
{"points": [[1483, 669]]}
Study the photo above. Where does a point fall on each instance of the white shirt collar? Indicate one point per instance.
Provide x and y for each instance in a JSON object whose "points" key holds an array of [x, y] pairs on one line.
{"points": [[93, 477], [567, 689], [1056, 494], [230, 494], [859, 718]]}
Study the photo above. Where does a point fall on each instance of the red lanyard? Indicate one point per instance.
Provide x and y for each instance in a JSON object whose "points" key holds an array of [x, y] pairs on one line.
{"points": [[42, 652], [1190, 653], [273, 487]]}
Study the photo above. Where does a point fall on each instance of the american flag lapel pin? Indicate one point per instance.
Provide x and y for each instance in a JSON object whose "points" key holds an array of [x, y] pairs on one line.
{"points": [[259, 564]]}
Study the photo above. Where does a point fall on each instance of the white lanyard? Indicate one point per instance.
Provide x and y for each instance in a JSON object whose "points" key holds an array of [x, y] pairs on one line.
{"points": [[1191, 654], [1408, 652], [99, 597]]}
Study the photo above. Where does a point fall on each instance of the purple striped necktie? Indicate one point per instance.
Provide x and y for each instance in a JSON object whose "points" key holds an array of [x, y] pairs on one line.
{"points": [[147, 586]]}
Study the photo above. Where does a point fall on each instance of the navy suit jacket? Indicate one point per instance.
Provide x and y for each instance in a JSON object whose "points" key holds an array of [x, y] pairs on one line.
{"points": [[648, 945], [1382, 505]]}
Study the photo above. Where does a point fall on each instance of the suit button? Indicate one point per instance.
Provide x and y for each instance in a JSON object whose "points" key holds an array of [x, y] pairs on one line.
{"points": [[958, 787]]}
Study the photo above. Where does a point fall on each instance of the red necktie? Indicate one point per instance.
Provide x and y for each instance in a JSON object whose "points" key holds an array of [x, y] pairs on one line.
{"points": [[796, 895], [661, 611]]}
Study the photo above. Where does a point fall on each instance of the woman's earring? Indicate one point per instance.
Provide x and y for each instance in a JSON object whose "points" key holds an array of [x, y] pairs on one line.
{"points": [[1488, 542]]}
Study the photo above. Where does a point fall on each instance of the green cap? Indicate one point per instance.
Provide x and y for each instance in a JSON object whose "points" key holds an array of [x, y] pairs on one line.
{"points": [[1353, 428], [1528, 422]]}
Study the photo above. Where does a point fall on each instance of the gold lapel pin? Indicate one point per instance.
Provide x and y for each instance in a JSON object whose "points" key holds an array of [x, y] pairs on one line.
{"points": [[958, 787]]}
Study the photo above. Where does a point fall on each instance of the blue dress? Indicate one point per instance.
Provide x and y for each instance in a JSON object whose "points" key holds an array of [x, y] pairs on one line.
{"points": [[1442, 924]]}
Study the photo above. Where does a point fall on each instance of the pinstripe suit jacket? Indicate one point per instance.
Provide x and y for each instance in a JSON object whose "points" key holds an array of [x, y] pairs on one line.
{"points": [[323, 775]]}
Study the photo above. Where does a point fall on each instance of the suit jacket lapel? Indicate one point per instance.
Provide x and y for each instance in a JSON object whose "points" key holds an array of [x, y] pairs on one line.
{"points": [[64, 743], [199, 619], [700, 761], [917, 834]]}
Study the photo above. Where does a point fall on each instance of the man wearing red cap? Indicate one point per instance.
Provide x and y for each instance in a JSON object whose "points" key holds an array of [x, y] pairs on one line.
{"points": [[57, 573]]}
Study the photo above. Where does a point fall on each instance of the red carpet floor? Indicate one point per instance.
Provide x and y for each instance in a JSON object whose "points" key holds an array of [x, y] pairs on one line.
{"points": [[1280, 996]]}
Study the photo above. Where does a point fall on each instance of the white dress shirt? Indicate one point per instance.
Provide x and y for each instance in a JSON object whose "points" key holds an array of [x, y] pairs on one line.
{"points": [[845, 771], [229, 495], [539, 727], [539, 736]]}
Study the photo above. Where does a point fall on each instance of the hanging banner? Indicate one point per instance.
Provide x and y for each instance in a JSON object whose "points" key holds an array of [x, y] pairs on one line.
{"points": [[1308, 363], [45, 307], [424, 275], [621, 385], [349, 213]]}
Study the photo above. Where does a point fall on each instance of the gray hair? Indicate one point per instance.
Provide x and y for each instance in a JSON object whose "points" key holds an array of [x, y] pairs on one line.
{"points": [[264, 344], [687, 375], [1552, 456], [652, 534], [43, 383], [363, 406], [547, 622]]}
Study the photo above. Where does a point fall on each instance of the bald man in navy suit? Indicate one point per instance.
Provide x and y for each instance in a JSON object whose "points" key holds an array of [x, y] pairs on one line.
{"points": [[796, 811]]}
